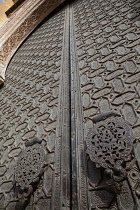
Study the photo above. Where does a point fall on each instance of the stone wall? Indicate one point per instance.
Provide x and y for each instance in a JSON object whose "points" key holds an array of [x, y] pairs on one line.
{"points": [[4, 6]]}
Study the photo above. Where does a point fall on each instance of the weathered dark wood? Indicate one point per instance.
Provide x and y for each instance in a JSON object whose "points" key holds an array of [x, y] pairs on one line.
{"points": [[76, 69]]}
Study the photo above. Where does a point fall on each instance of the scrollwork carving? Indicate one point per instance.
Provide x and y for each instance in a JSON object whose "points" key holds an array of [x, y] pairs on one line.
{"points": [[109, 142], [30, 166]]}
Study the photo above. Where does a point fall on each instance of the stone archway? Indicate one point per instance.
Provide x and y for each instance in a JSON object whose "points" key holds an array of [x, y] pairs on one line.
{"points": [[19, 25]]}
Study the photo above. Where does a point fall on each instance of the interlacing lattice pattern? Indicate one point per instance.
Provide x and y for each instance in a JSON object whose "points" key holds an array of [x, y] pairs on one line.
{"points": [[110, 142], [29, 104], [105, 61], [107, 36], [29, 166]]}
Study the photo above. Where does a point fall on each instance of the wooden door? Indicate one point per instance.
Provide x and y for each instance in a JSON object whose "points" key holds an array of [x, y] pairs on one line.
{"points": [[104, 37], [35, 103], [81, 62]]}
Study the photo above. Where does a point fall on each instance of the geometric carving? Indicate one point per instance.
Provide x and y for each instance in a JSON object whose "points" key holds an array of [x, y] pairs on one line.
{"points": [[19, 25], [37, 112], [130, 66], [87, 91], [118, 85], [115, 62], [32, 111]]}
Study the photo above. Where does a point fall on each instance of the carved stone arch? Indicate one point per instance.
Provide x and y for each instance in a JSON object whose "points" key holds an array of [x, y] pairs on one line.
{"points": [[19, 25]]}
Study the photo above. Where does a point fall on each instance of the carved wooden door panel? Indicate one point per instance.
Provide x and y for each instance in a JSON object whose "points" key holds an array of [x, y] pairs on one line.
{"points": [[35, 106], [104, 48], [78, 69]]}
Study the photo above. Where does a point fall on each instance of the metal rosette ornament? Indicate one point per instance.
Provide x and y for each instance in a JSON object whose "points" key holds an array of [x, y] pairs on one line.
{"points": [[110, 144], [29, 166]]}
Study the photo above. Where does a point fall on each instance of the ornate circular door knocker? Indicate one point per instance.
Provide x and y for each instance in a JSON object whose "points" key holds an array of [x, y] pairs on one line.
{"points": [[110, 144], [29, 168]]}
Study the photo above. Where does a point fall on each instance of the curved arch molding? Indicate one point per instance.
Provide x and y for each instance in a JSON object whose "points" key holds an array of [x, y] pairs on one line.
{"points": [[19, 25]]}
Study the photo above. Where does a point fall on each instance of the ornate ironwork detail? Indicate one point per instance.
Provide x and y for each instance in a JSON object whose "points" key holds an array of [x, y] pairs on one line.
{"points": [[109, 142], [29, 168]]}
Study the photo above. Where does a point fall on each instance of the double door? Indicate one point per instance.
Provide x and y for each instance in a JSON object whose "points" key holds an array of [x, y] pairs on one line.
{"points": [[81, 62]]}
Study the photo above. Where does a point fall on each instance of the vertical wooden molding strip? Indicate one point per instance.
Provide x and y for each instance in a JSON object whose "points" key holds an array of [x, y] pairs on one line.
{"points": [[19, 25]]}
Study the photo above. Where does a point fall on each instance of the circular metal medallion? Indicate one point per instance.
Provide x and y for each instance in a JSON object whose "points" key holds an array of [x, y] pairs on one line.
{"points": [[110, 142], [29, 165]]}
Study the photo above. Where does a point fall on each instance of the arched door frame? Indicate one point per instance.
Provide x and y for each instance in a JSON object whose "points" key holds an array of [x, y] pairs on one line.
{"points": [[19, 25]]}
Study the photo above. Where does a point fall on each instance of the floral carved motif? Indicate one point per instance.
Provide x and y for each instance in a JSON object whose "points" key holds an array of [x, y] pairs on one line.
{"points": [[110, 142], [29, 166], [28, 171]]}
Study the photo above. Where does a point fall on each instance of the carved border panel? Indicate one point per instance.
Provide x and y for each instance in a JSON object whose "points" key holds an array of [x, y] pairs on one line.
{"points": [[19, 26]]}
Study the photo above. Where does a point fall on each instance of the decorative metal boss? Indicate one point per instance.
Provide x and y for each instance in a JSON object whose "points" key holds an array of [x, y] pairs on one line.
{"points": [[30, 166], [109, 142]]}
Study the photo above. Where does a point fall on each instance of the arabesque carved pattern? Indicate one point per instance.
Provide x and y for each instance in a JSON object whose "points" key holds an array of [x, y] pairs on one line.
{"points": [[110, 142], [29, 166], [108, 56], [29, 107]]}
